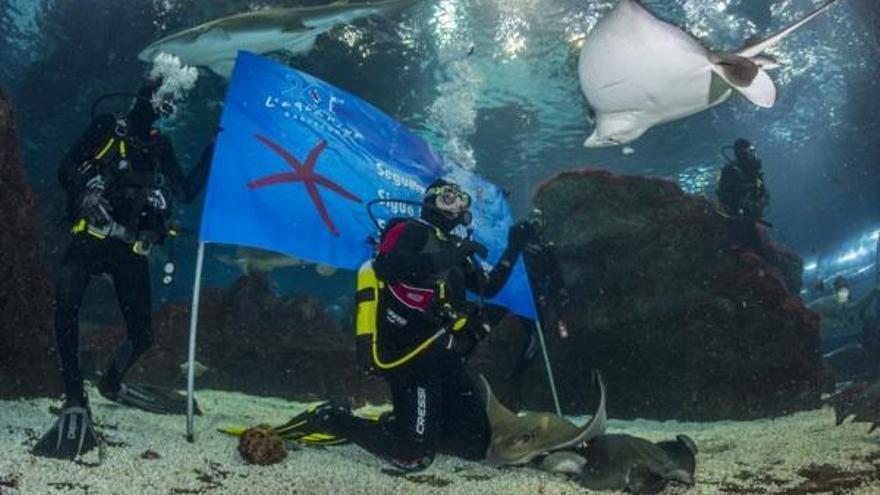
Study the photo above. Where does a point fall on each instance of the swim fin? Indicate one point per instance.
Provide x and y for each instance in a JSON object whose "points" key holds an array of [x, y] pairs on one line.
{"points": [[321, 440], [313, 427], [308, 428], [150, 398], [71, 436]]}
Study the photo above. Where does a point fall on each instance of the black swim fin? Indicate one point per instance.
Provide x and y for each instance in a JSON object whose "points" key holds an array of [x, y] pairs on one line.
{"points": [[310, 427], [70, 437], [150, 398]]}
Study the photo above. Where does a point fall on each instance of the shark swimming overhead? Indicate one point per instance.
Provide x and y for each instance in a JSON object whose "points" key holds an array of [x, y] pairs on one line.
{"points": [[215, 44], [519, 439], [638, 71]]}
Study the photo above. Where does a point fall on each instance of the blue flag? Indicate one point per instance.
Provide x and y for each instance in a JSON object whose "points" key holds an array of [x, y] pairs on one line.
{"points": [[299, 160]]}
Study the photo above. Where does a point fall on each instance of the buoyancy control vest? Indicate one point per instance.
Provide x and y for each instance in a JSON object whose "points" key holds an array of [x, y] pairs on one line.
{"points": [[399, 303], [135, 187]]}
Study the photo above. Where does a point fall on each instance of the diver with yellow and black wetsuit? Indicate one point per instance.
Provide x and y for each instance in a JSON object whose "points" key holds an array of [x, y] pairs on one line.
{"points": [[121, 177], [425, 330]]}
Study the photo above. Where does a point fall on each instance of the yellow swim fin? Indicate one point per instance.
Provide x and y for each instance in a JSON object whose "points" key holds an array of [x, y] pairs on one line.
{"points": [[233, 431]]}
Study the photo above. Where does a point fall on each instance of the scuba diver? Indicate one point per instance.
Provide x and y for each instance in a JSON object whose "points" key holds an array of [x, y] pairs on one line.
{"points": [[424, 331], [849, 331], [742, 195], [551, 300], [839, 316], [121, 176]]}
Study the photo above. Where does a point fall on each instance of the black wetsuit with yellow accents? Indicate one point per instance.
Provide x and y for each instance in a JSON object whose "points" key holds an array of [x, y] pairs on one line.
{"points": [[135, 161], [437, 407]]}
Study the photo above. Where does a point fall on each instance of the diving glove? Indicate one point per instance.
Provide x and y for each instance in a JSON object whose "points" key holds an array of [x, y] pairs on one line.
{"points": [[94, 206], [447, 258], [519, 235]]}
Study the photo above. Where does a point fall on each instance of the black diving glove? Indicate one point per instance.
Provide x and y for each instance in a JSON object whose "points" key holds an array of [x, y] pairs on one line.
{"points": [[448, 258], [94, 206], [468, 247], [519, 235]]}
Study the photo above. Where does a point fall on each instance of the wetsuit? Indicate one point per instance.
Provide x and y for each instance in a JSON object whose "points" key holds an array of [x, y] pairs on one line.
{"points": [[741, 190], [742, 197], [141, 176], [437, 407]]}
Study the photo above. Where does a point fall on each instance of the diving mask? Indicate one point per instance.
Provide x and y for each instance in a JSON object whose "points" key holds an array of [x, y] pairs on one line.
{"points": [[451, 197], [164, 107]]}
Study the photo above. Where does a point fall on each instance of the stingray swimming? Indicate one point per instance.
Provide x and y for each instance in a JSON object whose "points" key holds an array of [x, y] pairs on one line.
{"points": [[517, 440], [638, 71]]}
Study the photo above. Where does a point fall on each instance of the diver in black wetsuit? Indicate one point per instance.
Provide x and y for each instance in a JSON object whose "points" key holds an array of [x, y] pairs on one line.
{"points": [[743, 197], [121, 177], [426, 270], [551, 300]]}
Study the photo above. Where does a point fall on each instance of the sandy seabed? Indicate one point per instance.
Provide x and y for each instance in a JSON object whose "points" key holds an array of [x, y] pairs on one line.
{"points": [[797, 454]]}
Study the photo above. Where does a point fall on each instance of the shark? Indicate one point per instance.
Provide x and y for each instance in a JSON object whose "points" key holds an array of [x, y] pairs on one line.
{"points": [[517, 440], [637, 71], [215, 44], [253, 260], [325, 270]]}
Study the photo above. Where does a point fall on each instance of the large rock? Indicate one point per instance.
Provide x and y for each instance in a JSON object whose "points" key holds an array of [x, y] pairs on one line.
{"points": [[683, 326], [27, 365]]}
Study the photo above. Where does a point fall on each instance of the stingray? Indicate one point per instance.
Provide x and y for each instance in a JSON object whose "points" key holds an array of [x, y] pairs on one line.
{"points": [[216, 43], [638, 71], [625, 462], [519, 439]]}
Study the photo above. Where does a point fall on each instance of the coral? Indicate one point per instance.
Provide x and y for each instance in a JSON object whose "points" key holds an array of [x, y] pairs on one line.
{"points": [[27, 366], [683, 326], [261, 445]]}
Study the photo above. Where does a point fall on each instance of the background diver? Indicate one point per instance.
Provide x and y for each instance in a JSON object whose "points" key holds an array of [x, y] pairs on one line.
{"points": [[849, 331], [426, 270], [551, 300], [743, 197], [120, 176]]}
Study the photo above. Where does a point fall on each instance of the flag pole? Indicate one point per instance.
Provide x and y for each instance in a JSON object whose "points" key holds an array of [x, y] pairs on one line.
{"points": [[540, 330], [193, 325]]}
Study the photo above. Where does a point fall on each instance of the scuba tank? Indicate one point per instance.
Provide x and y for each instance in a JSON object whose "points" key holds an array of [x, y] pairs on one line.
{"points": [[366, 314]]}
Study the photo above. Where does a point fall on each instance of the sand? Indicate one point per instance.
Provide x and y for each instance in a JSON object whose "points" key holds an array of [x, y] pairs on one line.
{"points": [[799, 453]]}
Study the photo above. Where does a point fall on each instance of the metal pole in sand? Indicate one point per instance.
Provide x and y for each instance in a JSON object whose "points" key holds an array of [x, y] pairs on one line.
{"points": [[193, 325], [539, 329]]}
